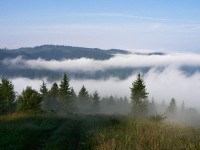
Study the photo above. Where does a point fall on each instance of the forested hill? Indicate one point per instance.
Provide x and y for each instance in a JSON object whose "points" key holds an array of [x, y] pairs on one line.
{"points": [[21, 68], [58, 52]]}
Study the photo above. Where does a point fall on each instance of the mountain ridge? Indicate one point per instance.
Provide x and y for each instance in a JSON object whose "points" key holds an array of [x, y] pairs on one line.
{"points": [[59, 52]]}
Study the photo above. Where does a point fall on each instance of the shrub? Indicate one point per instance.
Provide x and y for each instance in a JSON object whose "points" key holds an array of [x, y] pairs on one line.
{"points": [[158, 117]]}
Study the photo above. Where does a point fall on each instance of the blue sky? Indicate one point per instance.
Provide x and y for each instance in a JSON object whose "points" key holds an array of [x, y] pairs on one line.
{"points": [[172, 25]]}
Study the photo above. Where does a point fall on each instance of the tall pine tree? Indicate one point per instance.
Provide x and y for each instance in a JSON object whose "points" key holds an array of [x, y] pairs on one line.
{"points": [[73, 94], [83, 95], [2, 103], [96, 101], [64, 90], [139, 97], [172, 109], [51, 103], [43, 89], [7, 96], [54, 91], [183, 107]]}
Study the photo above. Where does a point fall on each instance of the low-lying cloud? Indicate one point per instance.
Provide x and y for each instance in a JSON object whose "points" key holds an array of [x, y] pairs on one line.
{"points": [[119, 61], [170, 83]]}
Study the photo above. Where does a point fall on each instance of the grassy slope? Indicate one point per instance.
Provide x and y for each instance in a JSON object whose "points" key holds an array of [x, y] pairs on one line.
{"points": [[21, 131]]}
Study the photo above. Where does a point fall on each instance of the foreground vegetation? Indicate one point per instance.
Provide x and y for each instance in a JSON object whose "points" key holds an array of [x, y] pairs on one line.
{"points": [[50, 131], [61, 119]]}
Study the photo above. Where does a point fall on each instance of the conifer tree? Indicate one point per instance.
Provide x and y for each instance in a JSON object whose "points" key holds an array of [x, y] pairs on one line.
{"points": [[96, 98], [29, 100], [172, 109], [43, 89], [73, 94], [64, 90], [7, 96], [96, 102], [183, 107], [152, 107], [125, 100], [51, 103], [139, 97], [2, 104], [54, 91], [83, 95], [111, 100]]}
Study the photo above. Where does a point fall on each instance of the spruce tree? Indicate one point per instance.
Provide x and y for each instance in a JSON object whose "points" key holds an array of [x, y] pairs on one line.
{"points": [[51, 103], [83, 95], [139, 97], [2, 104], [152, 107], [172, 109], [64, 90], [183, 107], [96, 100], [111, 100], [29, 100], [73, 94], [7, 96], [43, 89], [54, 91], [125, 100]]}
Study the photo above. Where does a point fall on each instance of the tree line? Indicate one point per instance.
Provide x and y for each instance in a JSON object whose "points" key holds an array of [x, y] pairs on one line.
{"points": [[63, 99]]}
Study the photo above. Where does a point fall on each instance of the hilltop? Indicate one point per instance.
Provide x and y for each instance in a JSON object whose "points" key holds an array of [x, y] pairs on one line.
{"points": [[59, 52]]}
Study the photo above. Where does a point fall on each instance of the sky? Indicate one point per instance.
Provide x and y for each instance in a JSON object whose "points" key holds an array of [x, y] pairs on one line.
{"points": [[161, 25]]}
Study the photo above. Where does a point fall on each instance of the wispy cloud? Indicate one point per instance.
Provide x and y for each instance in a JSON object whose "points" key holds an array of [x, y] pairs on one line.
{"points": [[195, 21], [118, 15]]}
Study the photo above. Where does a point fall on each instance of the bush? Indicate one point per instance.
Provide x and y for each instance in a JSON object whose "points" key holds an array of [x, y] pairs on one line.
{"points": [[158, 117]]}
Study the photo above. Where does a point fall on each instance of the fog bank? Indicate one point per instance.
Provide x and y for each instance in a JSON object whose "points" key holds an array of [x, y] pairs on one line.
{"points": [[162, 85], [119, 61]]}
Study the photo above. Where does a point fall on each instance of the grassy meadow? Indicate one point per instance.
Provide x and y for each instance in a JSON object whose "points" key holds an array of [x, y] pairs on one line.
{"points": [[100, 132]]}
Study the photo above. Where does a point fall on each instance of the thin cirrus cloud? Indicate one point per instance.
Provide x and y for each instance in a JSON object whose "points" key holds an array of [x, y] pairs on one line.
{"points": [[117, 15]]}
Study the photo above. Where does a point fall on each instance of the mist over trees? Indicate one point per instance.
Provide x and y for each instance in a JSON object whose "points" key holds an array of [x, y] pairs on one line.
{"points": [[172, 108], [96, 101], [63, 99]]}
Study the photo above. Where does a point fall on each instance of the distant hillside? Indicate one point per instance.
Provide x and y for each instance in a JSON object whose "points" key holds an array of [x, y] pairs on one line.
{"points": [[57, 52]]}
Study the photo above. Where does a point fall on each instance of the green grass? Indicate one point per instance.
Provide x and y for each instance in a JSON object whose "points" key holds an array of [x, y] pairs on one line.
{"points": [[47, 131], [21, 131], [135, 134]]}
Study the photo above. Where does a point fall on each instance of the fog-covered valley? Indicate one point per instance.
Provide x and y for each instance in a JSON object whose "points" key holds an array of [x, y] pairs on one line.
{"points": [[166, 76], [105, 75]]}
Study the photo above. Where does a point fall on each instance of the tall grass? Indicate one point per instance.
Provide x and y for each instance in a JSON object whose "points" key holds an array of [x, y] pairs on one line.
{"points": [[101, 132], [26, 131], [143, 134]]}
